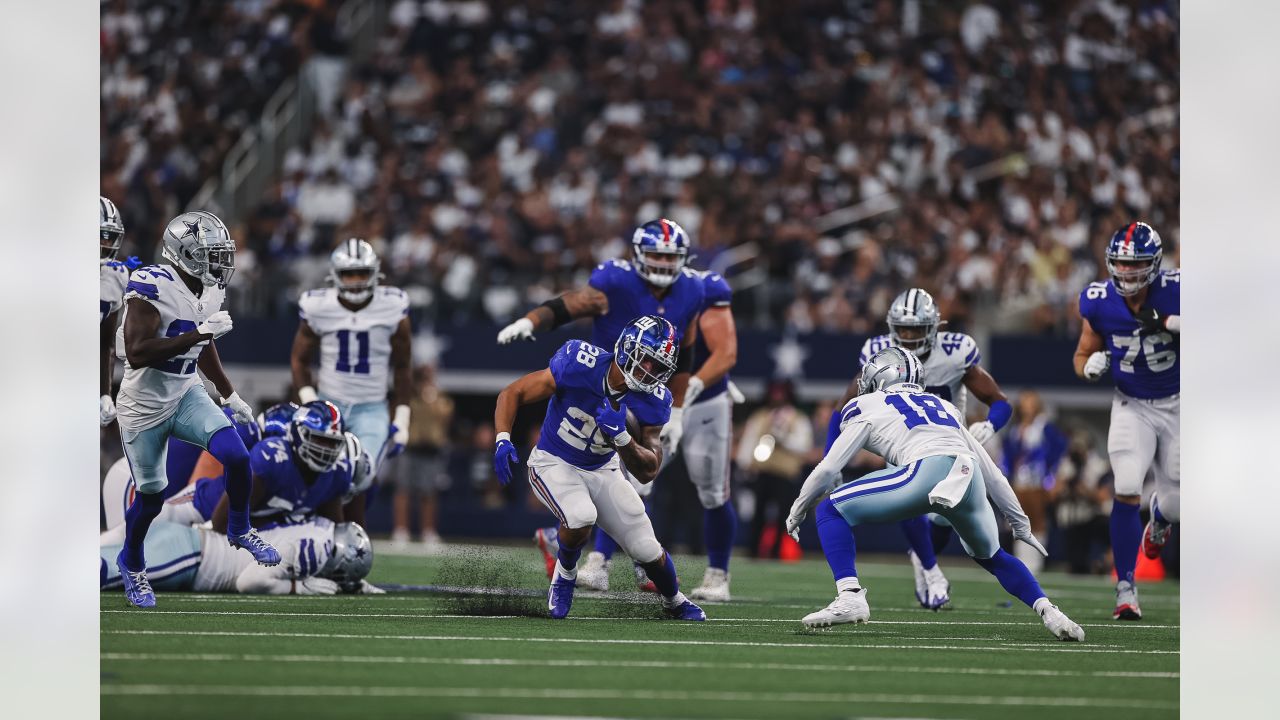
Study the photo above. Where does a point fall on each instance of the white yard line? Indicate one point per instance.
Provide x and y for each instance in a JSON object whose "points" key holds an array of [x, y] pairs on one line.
{"points": [[440, 616], [1048, 647], [647, 695], [639, 664]]}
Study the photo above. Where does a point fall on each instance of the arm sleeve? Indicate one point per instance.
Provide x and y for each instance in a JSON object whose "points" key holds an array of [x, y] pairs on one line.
{"points": [[824, 477], [998, 488]]}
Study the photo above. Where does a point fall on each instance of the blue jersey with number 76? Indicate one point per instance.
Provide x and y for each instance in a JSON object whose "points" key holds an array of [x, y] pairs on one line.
{"points": [[1144, 365], [569, 430]]}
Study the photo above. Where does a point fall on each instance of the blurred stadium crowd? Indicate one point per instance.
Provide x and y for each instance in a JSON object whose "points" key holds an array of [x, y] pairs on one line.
{"points": [[494, 151]]}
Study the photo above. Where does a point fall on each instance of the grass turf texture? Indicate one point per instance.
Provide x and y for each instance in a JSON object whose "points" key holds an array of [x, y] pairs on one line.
{"points": [[416, 654]]}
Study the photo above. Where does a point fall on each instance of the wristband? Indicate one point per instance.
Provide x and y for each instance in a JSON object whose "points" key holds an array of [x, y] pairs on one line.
{"points": [[999, 413], [502, 436], [621, 439], [559, 312]]}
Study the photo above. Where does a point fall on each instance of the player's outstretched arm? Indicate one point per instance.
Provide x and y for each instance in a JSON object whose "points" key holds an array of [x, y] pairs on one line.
{"points": [[305, 345], [141, 346], [532, 388], [825, 475], [1090, 360], [582, 302], [985, 388], [107, 333]]}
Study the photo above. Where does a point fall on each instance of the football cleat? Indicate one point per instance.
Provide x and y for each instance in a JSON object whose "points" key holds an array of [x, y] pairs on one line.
{"points": [[549, 543], [594, 574], [684, 610], [1126, 602], [643, 583], [137, 589], [922, 587], [1154, 538], [848, 607], [1060, 625], [938, 592], [714, 587], [260, 549], [560, 598]]}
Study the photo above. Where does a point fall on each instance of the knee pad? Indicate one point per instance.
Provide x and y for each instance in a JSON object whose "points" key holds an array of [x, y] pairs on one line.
{"points": [[712, 499], [152, 483], [642, 547]]}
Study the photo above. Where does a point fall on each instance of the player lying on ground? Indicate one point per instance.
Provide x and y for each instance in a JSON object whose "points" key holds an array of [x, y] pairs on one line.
{"points": [[933, 465], [952, 368], [603, 406], [1130, 324], [655, 281], [317, 558], [172, 315], [362, 331]]}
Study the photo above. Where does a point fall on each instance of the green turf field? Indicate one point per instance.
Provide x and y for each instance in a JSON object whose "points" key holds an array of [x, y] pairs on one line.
{"points": [[416, 654]]}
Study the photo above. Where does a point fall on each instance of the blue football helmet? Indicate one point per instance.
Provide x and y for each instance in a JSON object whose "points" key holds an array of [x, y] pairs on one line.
{"points": [[315, 434], [274, 421], [661, 250], [646, 353], [249, 432], [1133, 257], [891, 366]]}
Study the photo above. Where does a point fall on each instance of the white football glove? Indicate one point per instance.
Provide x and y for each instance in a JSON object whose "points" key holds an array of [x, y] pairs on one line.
{"points": [[106, 410], [217, 324], [521, 329], [796, 517], [1023, 533], [307, 394], [367, 589], [243, 413], [672, 432], [982, 431], [315, 586], [735, 394], [693, 390], [1096, 365]]}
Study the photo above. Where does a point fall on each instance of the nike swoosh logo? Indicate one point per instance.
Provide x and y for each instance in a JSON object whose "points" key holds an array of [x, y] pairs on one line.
{"points": [[609, 427], [704, 422]]}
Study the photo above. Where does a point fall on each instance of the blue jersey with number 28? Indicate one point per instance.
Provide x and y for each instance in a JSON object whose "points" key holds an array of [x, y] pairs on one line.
{"points": [[1144, 365], [569, 430]]}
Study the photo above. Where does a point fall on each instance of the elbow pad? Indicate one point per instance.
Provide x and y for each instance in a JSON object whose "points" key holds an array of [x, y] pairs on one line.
{"points": [[559, 312]]}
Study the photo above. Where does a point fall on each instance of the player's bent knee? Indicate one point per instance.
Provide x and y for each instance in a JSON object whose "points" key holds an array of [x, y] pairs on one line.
{"points": [[711, 500], [645, 550], [150, 485]]}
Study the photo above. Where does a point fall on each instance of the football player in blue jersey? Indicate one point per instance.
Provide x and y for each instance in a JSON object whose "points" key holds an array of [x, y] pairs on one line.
{"points": [[303, 474], [655, 281], [606, 409], [172, 316], [705, 436], [1130, 324], [275, 420]]}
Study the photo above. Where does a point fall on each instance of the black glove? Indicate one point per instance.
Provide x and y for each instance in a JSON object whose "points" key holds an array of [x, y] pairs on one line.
{"points": [[1151, 319]]}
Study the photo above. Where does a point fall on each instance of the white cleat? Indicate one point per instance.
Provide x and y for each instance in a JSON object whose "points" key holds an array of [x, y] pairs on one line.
{"points": [[922, 586], [848, 607], [1126, 602], [594, 575], [714, 587], [1060, 625], [939, 588]]}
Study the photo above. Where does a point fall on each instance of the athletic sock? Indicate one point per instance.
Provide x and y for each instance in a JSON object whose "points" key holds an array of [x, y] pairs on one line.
{"points": [[940, 536], [917, 531], [567, 562], [605, 545], [720, 525], [137, 520], [663, 574], [1014, 577], [837, 541], [227, 448], [1126, 536], [849, 584]]}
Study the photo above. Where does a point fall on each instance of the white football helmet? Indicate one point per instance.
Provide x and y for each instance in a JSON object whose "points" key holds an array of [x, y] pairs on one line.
{"points": [[914, 309], [361, 467], [891, 366], [353, 269], [199, 244], [352, 556], [111, 227]]}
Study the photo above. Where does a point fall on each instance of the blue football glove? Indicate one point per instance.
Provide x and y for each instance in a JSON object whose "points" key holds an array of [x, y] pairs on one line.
{"points": [[395, 445], [611, 421], [504, 457], [132, 262]]}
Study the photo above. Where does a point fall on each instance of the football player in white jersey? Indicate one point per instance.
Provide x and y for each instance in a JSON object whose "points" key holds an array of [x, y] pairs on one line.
{"points": [[361, 330], [933, 464], [172, 314], [952, 365], [318, 558], [113, 275]]}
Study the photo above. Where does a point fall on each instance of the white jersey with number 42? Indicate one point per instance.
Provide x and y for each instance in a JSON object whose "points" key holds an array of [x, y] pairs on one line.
{"points": [[355, 346], [907, 424], [952, 356], [149, 395]]}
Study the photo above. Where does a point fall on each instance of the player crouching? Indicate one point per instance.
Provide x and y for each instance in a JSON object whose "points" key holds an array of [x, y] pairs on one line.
{"points": [[603, 406], [934, 464]]}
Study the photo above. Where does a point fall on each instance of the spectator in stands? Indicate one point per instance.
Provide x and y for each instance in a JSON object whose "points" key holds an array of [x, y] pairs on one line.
{"points": [[774, 449], [1032, 448]]}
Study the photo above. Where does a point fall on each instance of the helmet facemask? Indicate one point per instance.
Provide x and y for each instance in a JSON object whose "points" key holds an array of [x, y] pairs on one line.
{"points": [[917, 338], [318, 450], [1131, 274], [660, 268], [355, 284], [109, 242]]}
